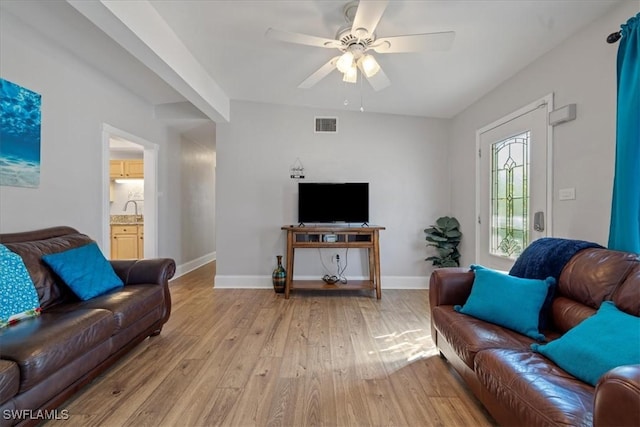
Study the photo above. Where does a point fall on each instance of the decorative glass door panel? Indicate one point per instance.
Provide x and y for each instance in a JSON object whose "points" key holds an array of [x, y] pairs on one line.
{"points": [[510, 196]]}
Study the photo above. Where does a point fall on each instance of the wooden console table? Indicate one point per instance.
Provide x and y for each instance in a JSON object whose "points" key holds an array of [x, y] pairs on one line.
{"points": [[334, 237]]}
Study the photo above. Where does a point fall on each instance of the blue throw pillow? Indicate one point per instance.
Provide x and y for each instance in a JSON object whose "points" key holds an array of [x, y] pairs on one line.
{"points": [[18, 295], [608, 339], [85, 270], [508, 301]]}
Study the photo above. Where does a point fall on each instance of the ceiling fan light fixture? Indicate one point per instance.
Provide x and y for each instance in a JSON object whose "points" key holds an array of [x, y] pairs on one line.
{"points": [[345, 62], [351, 75], [369, 65]]}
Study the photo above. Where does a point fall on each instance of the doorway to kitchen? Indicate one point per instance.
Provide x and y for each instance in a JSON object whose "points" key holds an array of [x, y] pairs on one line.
{"points": [[130, 196]]}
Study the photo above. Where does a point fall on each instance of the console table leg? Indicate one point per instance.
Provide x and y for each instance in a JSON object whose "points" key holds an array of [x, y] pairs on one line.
{"points": [[376, 255], [372, 266], [287, 283]]}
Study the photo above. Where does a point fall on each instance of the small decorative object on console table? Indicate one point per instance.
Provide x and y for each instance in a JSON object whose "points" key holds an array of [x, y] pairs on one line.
{"points": [[332, 236], [279, 276]]}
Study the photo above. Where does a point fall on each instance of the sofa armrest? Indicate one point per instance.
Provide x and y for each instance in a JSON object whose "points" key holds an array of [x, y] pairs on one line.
{"points": [[148, 271], [617, 398], [450, 286]]}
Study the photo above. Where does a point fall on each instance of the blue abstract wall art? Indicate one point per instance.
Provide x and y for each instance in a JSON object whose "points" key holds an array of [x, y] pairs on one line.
{"points": [[19, 136]]}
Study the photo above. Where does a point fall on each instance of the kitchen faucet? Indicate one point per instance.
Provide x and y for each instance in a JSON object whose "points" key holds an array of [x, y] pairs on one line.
{"points": [[135, 204]]}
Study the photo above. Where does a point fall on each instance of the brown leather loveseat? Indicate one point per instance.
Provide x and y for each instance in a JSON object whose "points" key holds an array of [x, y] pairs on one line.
{"points": [[44, 360], [520, 387]]}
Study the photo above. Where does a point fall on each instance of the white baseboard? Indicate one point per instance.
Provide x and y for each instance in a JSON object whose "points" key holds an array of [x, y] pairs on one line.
{"points": [[243, 282], [405, 282], [264, 282], [185, 268]]}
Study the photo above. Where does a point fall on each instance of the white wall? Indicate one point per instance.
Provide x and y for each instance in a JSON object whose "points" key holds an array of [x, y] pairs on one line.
{"points": [[403, 158], [76, 101], [198, 200], [582, 70]]}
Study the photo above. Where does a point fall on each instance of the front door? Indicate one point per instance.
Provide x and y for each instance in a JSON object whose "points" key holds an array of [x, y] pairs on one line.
{"points": [[513, 190]]}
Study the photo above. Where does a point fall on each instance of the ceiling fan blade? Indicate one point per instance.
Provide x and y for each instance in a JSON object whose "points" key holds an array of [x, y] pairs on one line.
{"points": [[299, 38], [320, 74], [378, 81], [367, 17], [415, 42]]}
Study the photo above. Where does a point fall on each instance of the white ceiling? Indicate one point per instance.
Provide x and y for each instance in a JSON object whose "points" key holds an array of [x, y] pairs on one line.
{"points": [[494, 40]]}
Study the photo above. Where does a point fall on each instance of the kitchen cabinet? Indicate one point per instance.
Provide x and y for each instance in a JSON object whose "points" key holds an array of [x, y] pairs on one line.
{"points": [[128, 168], [127, 241], [140, 241]]}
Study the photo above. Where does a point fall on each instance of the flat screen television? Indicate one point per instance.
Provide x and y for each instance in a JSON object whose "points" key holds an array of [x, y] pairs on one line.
{"points": [[320, 202]]}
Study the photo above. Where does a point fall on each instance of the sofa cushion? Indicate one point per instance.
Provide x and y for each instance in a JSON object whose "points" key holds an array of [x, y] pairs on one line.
{"points": [[18, 296], [627, 296], [509, 301], [608, 339], [127, 304], [534, 388], [568, 313], [51, 290], [9, 380], [85, 270], [42, 345], [468, 335], [593, 275]]}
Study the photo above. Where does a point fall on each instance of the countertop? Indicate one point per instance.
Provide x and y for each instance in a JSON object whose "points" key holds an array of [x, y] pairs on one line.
{"points": [[126, 220]]}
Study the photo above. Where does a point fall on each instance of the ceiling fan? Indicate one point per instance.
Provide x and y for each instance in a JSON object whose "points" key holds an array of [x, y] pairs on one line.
{"points": [[356, 41]]}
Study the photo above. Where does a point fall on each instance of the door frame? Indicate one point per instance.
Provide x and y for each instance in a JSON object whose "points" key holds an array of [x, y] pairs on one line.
{"points": [[150, 190], [544, 102]]}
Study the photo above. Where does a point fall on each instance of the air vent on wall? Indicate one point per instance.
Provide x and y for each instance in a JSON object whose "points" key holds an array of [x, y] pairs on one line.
{"points": [[326, 125]]}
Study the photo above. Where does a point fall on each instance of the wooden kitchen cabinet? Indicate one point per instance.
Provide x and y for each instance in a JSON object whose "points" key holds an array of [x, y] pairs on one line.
{"points": [[140, 241], [127, 241], [131, 168], [134, 168], [116, 168]]}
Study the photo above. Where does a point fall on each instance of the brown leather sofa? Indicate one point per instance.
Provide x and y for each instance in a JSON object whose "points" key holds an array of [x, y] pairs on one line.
{"points": [[44, 360], [522, 388]]}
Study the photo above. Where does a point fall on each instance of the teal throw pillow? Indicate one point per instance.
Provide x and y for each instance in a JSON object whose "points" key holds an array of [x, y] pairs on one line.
{"points": [[85, 270], [608, 339], [509, 301], [18, 295]]}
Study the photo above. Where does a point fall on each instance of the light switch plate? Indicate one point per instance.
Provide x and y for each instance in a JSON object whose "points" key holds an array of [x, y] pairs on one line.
{"points": [[567, 194]]}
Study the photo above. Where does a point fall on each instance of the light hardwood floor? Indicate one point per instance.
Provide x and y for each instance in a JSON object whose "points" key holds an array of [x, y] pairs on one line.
{"points": [[251, 358]]}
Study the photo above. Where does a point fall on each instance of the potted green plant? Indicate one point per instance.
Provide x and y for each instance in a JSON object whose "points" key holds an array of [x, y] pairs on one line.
{"points": [[445, 236]]}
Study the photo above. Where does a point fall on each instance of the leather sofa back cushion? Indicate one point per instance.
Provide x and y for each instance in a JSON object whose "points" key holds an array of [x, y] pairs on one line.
{"points": [[594, 275], [627, 297], [568, 314], [51, 290]]}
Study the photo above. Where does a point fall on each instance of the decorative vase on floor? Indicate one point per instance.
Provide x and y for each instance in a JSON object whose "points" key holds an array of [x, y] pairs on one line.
{"points": [[279, 276]]}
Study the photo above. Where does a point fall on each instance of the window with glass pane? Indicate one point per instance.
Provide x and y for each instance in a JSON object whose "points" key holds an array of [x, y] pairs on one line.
{"points": [[510, 196]]}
